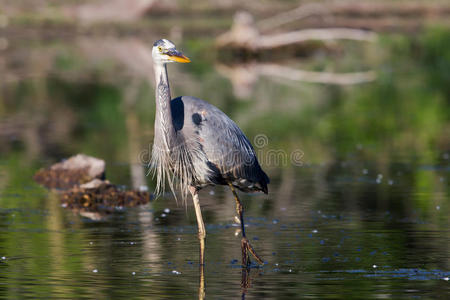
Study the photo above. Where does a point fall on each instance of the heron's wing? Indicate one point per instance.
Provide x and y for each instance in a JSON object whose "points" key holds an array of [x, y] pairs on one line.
{"points": [[228, 151]]}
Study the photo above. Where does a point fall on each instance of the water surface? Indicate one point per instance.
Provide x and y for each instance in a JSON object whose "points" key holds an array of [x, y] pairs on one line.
{"points": [[359, 195]]}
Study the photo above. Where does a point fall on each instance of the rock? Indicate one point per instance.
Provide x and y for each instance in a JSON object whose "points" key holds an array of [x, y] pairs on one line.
{"points": [[95, 167], [76, 170]]}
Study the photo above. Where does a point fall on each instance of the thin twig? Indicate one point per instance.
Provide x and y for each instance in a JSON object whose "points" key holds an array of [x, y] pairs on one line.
{"points": [[301, 12]]}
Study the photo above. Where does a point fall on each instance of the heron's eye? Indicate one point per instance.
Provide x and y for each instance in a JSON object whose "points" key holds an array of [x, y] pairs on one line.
{"points": [[160, 49]]}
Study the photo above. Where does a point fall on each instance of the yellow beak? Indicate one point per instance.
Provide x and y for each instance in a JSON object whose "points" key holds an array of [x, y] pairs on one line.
{"points": [[180, 59], [178, 56]]}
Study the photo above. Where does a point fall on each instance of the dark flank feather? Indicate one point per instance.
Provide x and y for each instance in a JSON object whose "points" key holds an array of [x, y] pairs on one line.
{"points": [[226, 151]]}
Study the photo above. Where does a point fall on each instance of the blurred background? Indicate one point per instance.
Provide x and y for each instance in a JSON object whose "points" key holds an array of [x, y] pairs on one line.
{"points": [[346, 103]]}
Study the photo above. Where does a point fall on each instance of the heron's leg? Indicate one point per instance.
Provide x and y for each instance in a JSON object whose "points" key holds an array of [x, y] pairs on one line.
{"points": [[201, 225], [245, 243], [201, 237]]}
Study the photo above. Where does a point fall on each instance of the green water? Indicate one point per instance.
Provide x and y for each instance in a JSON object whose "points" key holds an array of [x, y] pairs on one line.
{"points": [[359, 195]]}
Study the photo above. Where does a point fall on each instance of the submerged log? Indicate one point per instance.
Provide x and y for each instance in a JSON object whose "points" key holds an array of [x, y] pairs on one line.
{"points": [[101, 195], [244, 42]]}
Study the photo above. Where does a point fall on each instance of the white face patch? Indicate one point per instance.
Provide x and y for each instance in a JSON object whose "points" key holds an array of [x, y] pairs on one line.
{"points": [[159, 47], [164, 51]]}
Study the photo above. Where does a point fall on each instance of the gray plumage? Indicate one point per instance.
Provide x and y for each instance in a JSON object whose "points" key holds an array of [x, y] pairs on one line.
{"points": [[197, 145]]}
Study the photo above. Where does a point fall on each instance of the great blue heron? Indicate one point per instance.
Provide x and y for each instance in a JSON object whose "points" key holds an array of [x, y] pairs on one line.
{"points": [[197, 145]]}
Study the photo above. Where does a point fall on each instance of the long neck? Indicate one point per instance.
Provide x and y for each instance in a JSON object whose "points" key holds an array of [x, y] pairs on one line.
{"points": [[164, 130]]}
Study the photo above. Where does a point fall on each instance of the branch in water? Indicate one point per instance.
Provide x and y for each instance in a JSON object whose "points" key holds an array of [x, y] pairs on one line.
{"points": [[283, 39], [317, 77], [244, 33]]}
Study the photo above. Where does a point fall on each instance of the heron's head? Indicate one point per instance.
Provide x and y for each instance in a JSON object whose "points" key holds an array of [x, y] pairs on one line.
{"points": [[164, 51]]}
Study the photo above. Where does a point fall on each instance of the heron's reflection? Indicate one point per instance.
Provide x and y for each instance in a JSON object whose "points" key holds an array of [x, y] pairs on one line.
{"points": [[201, 284], [245, 279]]}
